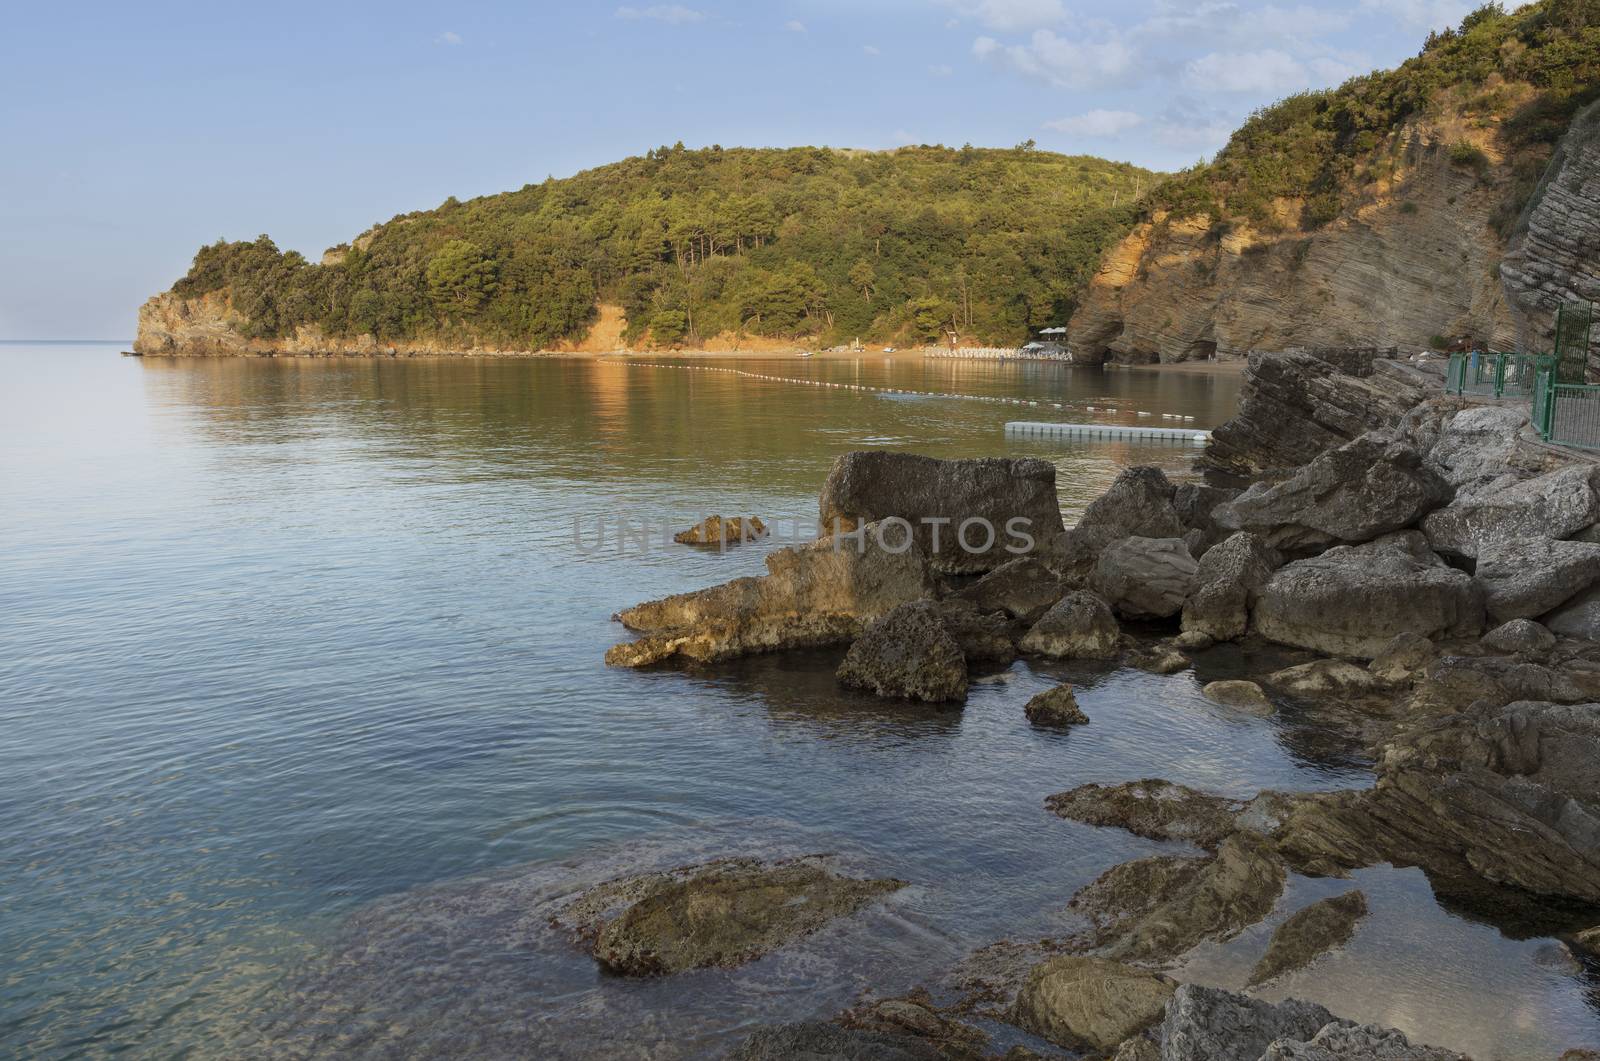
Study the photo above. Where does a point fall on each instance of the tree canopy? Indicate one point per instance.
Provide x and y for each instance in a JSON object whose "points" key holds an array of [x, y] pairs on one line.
{"points": [[694, 243]]}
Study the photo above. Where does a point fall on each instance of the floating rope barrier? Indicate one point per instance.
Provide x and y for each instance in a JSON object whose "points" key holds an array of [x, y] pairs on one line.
{"points": [[867, 388]]}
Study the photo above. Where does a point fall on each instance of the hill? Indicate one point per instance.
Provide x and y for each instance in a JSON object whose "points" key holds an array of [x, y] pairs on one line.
{"points": [[1377, 212], [811, 243]]}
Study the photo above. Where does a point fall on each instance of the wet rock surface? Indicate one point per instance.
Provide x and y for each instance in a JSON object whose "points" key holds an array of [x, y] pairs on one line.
{"points": [[718, 914], [1056, 707], [1078, 626], [1090, 1003], [866, 486], [1244, 695], [908, 654], [1310, 933], [1152, 808]]}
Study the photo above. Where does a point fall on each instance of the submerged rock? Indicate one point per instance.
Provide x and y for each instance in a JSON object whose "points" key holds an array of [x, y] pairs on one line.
{"points": [[1079, 626], [1353, 600], [716, 914], [719, 530], [1145, 578], [1090, 1003], [812, 595], [1226, 582], [1055, 707], [1325, 677], [1309, 934], [1152, 808], [1247, 696], [909, 654], [939, 496]]}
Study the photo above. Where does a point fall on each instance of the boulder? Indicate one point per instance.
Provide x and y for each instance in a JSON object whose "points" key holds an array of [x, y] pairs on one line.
{"points": [[1209, 1024], [1247, 696], [812, 595], [1226, 581], [1079, 626], [1552, 505], [1310, 933], [1371, 486], [1579, 618], [1293, 406], [1521, 637], [1137, 504], [1353, 600], [1152, 808], [940, 497], [1526, 577], [1477, 445], [1196, 505], [719, 914], [1145, 578], [825, 1041], [1055, 707], [908, 654], [1023, 588], [717, 530], [1403, 658], [1089, 1003]]}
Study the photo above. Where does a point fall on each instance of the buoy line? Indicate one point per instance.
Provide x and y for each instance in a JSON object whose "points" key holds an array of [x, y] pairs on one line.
{"points": [[866, 388]]}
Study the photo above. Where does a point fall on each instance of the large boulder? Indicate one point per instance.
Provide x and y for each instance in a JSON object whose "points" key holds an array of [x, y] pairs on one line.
{"points": [[1579, 618], [1296, 405], [1145, 578], [1210, 1024], [1352, 600], [1368, 487], [1078, 626], [1089, 1003], [1526, 577], [1477, 446], [1138, 503], [812, 595], [959, 501], [1023, 588], [908, 654], [1553, 505], [1226, 582], [715, 914]]}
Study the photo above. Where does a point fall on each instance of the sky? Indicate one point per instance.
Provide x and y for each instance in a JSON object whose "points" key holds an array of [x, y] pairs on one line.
{"points": [[133, 133]]}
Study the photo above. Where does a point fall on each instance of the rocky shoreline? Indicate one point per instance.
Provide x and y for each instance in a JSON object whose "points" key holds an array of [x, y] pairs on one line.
{"points": [[1443, 568]]}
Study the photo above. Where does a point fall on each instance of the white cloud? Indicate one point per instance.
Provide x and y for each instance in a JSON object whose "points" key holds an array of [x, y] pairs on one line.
{"points": [[1425, 14], [1265, 72], [871, 49], [672, 14], [1188, 125], [448, 37], [794, 25], [1009, 16], [941, 70], [1096, 123], [1061, 61]]}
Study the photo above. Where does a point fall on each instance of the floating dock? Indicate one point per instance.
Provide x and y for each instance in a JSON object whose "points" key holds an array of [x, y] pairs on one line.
{"points": [[1108, 432]]}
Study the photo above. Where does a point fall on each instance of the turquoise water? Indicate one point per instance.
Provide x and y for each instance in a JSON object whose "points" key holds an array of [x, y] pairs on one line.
{"points": [[304, 711]]}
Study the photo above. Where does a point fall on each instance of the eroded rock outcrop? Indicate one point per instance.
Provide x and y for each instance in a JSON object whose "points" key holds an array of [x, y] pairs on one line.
{"points": [[812, 595], [1152, 808], [1003, 497]]}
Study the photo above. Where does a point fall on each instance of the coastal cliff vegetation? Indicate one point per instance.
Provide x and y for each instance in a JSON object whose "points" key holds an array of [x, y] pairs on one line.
{"points": [[787, 243]]}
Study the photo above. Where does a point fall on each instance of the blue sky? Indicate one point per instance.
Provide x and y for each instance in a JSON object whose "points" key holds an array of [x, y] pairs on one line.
{"points": [[135, 132]]}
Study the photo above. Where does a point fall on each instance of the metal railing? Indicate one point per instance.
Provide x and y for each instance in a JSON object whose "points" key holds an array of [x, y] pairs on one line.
{"points": [[1492, 375], [1573, 416]]}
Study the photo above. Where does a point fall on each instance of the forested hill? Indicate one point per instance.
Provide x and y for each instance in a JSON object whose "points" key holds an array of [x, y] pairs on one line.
{"points": [[814, 242]]}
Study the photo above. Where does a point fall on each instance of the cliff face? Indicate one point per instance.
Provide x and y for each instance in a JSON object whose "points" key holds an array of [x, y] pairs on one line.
{"points": [[1554, 256], [207, 326], [1415, 257]]}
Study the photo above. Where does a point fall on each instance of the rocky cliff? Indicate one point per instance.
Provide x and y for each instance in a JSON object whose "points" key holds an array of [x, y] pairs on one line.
{"points": [[1413, 258], [1554, 256]]}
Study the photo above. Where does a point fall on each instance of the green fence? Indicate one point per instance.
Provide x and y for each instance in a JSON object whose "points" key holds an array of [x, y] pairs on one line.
{"points": [[1566, 409], [1490, 375], [1573, 415]]}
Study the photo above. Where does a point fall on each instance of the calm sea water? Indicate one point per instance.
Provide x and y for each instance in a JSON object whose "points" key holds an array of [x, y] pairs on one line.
{"points": [[303, 716]]}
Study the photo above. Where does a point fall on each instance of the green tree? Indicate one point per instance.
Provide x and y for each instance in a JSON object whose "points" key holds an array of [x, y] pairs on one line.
{"points": [[864, 277], [461, 276]]}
